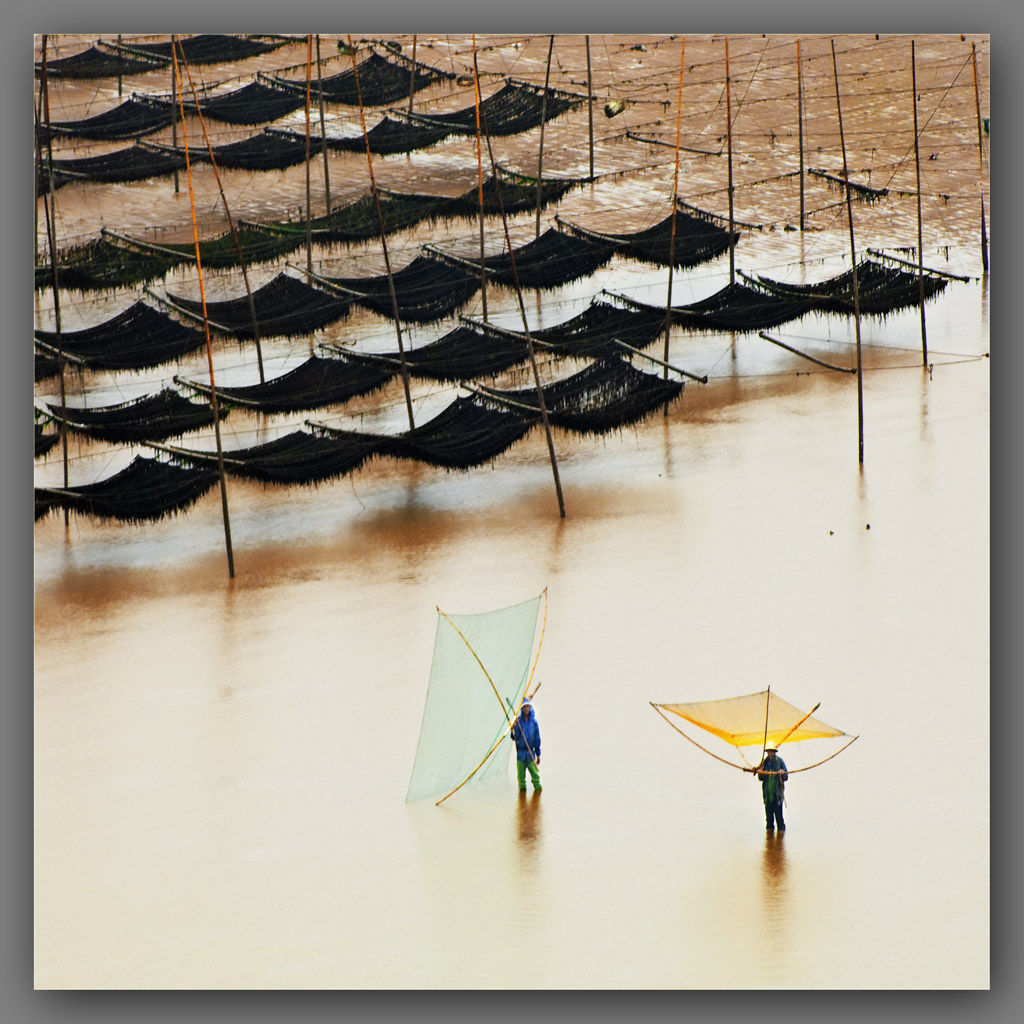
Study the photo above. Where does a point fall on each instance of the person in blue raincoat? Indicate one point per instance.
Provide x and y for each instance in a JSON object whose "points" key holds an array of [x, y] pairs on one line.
{"points": [[773, 775], [526, 734]]}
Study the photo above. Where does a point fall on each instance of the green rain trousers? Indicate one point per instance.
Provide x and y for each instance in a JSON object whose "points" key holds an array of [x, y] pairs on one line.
{"points": [[521, 768]]}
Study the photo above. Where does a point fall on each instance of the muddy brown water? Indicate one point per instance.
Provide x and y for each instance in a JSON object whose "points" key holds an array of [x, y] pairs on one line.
{"points": [[221, 765]]}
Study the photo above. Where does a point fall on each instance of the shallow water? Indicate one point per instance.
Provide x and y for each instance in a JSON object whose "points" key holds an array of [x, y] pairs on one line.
{"points": [[220, 766]]}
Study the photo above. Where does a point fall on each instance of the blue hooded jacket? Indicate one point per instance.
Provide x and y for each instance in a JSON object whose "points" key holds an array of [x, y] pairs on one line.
{"points": [[526, 733]]}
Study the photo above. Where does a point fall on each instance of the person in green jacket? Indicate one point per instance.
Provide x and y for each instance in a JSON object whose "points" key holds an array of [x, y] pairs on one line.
{"points": [[773, 775]]}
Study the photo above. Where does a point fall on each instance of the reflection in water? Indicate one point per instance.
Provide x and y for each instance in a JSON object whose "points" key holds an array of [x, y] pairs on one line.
{"points": [[774, 886], [528, 833]]}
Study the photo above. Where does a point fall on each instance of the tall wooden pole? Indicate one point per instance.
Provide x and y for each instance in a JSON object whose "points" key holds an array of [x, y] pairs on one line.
{"points": [[920, 230], [800, 126], [323, 129], [50, 205], [309, 212], [543, 119], [728, 124], [480, 178], [541, 401], [981, 162], [412, 73], [119, 82], [231, 223], [675, 208], [174, 122], [383, 240], [853, 258], [590, 106], [206, 323]]}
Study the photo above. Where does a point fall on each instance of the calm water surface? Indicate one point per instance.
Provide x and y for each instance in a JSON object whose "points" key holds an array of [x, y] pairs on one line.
{"points": [[221, 767]]}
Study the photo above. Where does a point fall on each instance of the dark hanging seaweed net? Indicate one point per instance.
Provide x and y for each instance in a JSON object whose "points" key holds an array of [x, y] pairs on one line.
{"points": [[426, 290], [46, 366], [295, 458], [150, 418], [211, 48], [604, 396], [132, 164], [257, 246], [284, 306], [316, 383], [255, 103], [357, 221], [128, 120], [44, 441], [697, 240], [382, 80], [266, 151], [461, 354], [517, 191], [514, 108], [881, 289], [137, 338], [144, 490], [553, 259], [96, 63], [392, 134], [463, 435], [594, 331], [737, 307], [100, 264]]}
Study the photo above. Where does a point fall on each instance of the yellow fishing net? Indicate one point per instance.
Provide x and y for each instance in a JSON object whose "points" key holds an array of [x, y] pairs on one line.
{"points": [[740, 721]]}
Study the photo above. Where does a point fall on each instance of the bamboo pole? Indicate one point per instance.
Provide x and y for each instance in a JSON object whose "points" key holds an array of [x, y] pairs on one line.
{"points": [[853, 258], [981, 162], [480, 179], [323, 129], [657, 708], [174, 122], [412, 73], [231, 222], [590, 105], [526, 328], [309, 212], [50, 206], [767, 706], [920, 235], [800, 124], [543, 119], [728, 124], [675, 211], [120, 92], [383, 239], [206, 326], [796, 351]]}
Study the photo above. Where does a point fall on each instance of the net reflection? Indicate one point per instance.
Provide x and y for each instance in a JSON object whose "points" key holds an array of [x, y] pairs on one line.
{"points": [[774, 885], [528, 823]]}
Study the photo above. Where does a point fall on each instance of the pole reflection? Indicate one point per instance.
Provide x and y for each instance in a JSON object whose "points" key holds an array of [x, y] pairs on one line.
{"points": [[774, 885]]}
